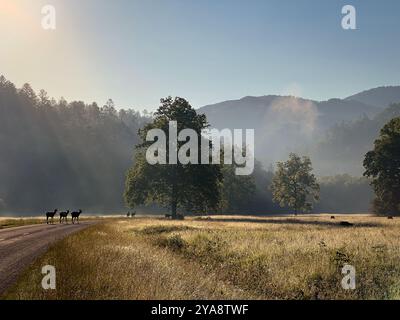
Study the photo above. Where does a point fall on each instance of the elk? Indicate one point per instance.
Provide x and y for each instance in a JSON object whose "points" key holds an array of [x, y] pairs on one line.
{"points": [[75, 216], [346, 224], [64, 216], [51, 215], [131, 214]]}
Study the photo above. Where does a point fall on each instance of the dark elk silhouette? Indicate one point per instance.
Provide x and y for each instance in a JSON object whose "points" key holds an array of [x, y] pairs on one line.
{"points": [[64, 216], [75, 216], [131, 214], [51, 215]]}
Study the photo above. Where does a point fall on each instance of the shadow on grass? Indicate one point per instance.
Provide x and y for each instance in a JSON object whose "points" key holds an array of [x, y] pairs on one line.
{"points": [[296, 221]]}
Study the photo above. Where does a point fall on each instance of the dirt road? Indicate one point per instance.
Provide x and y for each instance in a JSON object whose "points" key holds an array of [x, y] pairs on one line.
{"points": [[19, 246]]}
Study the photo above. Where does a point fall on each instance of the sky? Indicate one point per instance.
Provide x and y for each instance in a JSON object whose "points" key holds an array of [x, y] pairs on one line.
{"points": [[207, 51]]}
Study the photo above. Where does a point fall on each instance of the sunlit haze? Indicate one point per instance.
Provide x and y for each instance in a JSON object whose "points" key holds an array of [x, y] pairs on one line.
{"points": [[136, 52]]}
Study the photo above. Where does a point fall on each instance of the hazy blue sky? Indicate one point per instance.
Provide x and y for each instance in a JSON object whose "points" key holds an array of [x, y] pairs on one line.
{"points": [[206, 51]]}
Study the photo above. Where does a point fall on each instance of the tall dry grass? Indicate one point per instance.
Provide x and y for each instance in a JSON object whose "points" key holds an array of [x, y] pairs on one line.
{"points": [[18, 222], [222, 258]]}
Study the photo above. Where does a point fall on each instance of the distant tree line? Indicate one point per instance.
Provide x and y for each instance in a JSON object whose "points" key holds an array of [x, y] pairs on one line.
{"points": [[203, 188], [347, 142], [55, 153], [73, 154]]}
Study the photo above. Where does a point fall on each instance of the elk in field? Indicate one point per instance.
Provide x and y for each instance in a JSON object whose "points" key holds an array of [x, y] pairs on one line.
{"points": [[131, 214], [346, 224], [75, 216], [64, 216], [51, 215]]}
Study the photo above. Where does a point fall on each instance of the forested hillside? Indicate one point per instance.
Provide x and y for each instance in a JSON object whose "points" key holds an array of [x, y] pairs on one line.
{"points": [[57, 154], [285, 124], [345, 144], [380, 97]]}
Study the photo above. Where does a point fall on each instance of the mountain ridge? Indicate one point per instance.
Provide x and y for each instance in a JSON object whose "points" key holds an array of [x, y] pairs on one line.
{"points": [[285, 124], [381, 96], [362, 96]]}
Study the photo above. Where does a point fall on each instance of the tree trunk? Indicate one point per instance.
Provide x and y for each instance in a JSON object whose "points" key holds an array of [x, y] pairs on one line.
{"points": [[174, 196], [173, 209], [295, 204]]}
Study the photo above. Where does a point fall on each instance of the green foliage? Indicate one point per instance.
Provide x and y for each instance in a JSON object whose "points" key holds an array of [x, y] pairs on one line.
{"points": [[192, 187], [344, 193], [294, 185], [59, 154], [383, 165], [236, 191]]}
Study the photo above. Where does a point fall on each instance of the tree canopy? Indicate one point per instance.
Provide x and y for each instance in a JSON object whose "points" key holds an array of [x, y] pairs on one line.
{"points": [[383, 166], [56, 154], [60, 154], [192, 187], [294, 185]]}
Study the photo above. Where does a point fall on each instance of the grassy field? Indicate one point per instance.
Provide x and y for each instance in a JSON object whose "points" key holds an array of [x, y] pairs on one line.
{"points": [[10, 222], [18, 222], [222, 258]]}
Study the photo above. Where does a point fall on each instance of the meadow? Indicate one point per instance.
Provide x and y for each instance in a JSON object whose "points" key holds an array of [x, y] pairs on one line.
{"points": [[18, 222], [222, 257], [11, 222]]}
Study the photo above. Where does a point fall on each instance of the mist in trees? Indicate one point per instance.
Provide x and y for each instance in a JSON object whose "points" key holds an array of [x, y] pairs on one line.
{"points": [[236, 190], [344, 194], [57, 154], [344, 146]]}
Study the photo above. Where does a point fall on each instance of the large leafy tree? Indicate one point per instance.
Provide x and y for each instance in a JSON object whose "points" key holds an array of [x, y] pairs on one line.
{"points": [[294, 185], [383, 165], [191, 187]]}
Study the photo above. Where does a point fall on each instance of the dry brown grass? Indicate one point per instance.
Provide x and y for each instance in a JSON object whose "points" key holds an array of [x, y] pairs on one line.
{"points": [[222, 258], [18, 222], [10, 222]]}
